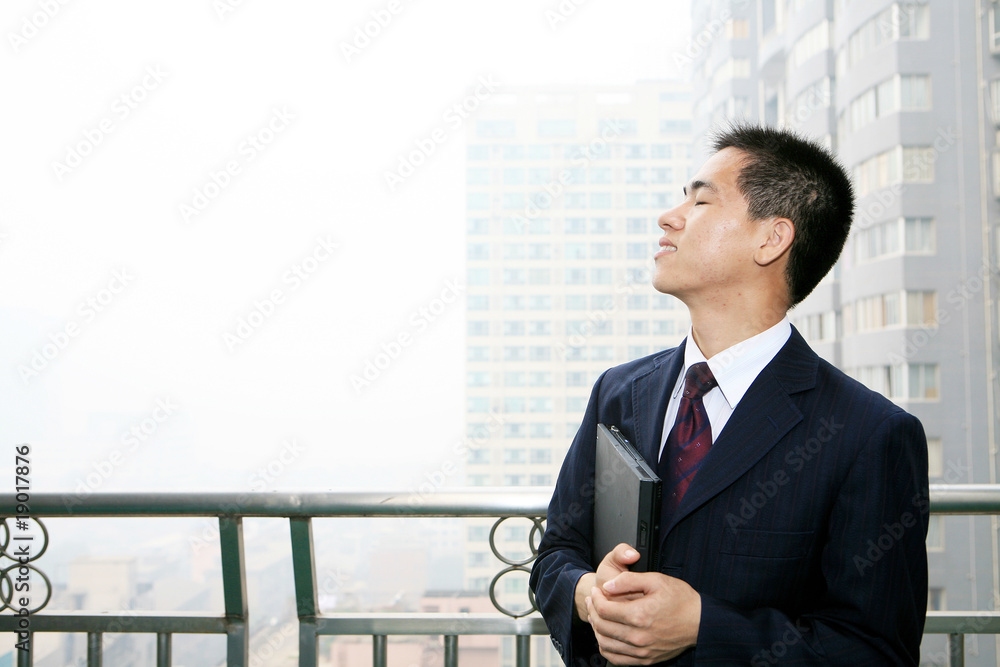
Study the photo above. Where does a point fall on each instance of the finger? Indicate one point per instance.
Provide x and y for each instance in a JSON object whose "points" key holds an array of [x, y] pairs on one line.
{"points": [[606, 618], [624, 555], [629, 582]]}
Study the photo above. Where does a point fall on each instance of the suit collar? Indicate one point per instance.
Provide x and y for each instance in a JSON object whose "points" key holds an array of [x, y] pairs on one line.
{"points": [[763, 417], [650, 395]]}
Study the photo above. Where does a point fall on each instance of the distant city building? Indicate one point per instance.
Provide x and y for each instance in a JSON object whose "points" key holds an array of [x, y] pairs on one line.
{"points": [[564, 189], [907, 94]]}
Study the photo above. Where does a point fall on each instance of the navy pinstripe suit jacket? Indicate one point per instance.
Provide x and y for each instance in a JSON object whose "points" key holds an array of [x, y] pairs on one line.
{"points": [[804, 531]]}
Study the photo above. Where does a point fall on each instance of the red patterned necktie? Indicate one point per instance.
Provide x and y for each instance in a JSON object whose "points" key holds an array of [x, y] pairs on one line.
{"points": [[690, 438]]}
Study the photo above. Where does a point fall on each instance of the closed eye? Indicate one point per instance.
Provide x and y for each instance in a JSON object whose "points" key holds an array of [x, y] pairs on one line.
{"points": [[699, 203]]}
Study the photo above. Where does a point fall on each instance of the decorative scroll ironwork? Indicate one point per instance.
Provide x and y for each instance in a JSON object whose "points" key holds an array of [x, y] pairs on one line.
{"points": [[23, 551], [515, 565]]}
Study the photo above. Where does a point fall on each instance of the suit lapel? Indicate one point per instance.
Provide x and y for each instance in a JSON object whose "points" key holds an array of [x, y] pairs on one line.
{"points": [[650, 395], [764, 415]]}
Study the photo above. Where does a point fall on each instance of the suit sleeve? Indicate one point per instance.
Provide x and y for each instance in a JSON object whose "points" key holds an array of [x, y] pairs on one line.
{"points": [[874, 566], [564, 552]]}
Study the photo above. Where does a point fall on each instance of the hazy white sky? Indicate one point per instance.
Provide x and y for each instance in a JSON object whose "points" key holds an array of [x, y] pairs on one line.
{"points": [[170, 169]]}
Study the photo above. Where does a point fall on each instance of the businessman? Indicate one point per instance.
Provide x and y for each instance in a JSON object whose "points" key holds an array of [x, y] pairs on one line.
{"points": [[795, 499]]}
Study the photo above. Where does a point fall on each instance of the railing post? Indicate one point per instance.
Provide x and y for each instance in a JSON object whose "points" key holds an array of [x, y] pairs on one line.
{"points": [[306, 602], [163, 640], [956, 650], [451, 651], [93, 649], [234, 588], [24, 657], [523, 654], [379, 651]]}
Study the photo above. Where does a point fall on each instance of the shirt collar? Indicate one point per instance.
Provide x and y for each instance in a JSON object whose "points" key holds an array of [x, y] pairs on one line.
{"points": [[736, 367]]}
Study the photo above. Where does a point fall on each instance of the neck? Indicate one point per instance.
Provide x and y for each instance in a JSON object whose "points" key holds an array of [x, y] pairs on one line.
{"points": [[715, 330]]}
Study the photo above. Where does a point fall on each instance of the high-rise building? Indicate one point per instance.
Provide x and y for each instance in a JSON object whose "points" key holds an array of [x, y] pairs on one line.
{"points": [[564, 188], [908, 95]]}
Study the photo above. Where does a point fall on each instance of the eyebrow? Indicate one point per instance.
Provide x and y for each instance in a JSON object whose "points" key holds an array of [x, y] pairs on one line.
{"points": [[697, 185]]}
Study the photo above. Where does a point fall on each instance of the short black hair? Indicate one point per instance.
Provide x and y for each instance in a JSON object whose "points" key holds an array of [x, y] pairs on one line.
{"points": [[786, 175]]}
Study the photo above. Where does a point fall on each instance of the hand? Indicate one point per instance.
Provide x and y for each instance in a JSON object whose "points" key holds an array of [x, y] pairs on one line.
{"points": [[641, 618], [616, 562]]}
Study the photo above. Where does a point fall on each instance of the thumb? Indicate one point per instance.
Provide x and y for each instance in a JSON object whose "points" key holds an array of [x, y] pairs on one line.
{"points": [[627, 583], [625, 555]]}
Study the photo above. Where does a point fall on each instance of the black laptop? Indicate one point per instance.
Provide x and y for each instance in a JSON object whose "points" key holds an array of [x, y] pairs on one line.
{"points": [[626, 500]]}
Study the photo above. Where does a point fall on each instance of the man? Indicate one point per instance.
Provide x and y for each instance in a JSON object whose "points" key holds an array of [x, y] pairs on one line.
{"points": [[795, 499]]}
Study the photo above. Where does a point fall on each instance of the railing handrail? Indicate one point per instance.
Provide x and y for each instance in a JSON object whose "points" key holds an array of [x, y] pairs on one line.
{"points": [[459, 502]]}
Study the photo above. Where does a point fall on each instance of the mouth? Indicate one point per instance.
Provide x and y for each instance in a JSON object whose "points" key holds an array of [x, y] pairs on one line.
{"points": [[666, 248]]}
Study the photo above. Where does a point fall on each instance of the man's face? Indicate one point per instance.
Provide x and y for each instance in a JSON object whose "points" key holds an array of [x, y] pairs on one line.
{"points": [[706, 251]]}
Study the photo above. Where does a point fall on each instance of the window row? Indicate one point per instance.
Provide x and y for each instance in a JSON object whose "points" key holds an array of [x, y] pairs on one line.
{"points": [[898, 22], [598, 325], [604, 302], [900, 381], [543, 201], [658, 151], [813, 41], [895, 309], [509, 480], [569, 176], [514, 226], [894, 237], [575, 276], [543, 251], [899, 164], [900, 92], [529, 378]]}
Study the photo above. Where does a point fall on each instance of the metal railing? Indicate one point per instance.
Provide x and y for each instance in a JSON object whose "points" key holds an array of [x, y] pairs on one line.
{"points": [[300, 510]]}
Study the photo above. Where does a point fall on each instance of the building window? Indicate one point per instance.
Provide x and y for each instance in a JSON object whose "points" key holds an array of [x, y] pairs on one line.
{"points": [[919, 235], [923, 381], [514, 353], [576, 226], [514, 379], [513, 328], [495, 129], [477, 353], [513, 404], [600, 176], [540, 430], [921, 309], [935, 458], [601, 226], [935, 533], [539, 353], [514, 455], [540, 404], [478, 328]]}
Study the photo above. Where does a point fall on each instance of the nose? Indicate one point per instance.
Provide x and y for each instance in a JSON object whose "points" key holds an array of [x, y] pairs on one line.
{"points": [[673, 218]]}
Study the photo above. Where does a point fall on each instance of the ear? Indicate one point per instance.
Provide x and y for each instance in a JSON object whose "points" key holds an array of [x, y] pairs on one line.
{"points": [[777, 239]]}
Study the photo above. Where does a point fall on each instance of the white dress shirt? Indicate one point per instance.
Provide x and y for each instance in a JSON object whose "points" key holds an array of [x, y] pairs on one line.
{"points": [[735, 369]]}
